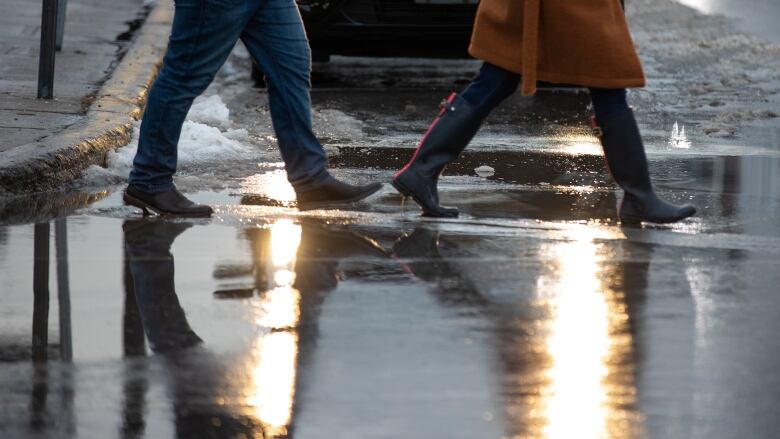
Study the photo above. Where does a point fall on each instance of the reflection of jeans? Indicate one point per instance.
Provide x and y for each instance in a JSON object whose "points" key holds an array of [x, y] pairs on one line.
{"points": [[494, 84], [203, 35], [147, 246]]}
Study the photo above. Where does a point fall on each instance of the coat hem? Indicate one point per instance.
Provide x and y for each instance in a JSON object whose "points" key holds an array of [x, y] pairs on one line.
{"points": [[514, 66]]}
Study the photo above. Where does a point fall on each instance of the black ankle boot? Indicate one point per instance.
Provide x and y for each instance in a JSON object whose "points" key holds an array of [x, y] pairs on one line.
{"points": [[446, 138], [168, 203], [333, 193], [625, 154]]}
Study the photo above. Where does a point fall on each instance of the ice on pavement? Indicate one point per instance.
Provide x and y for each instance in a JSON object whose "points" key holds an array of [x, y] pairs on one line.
{"points": [[333, 125], [485, 171]]}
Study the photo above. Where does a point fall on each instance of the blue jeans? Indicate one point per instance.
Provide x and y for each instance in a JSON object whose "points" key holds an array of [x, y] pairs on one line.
{"points": [[494, 84], [203, 35]]}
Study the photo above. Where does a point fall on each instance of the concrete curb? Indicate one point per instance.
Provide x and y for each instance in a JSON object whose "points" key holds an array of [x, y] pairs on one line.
{"points": [[107, 125]]}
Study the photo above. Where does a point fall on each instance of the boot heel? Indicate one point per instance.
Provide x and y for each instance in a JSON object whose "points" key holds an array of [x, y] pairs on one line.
{"points": [[401, 190], [132, 201]]}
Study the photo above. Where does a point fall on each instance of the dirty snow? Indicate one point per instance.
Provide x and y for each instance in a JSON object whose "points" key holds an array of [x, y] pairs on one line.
{"points": [[206, 137], [702, 68]]}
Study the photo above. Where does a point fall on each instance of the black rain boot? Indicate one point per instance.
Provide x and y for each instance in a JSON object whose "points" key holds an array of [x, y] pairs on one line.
{"points": [[626, 159], [446, 138]]}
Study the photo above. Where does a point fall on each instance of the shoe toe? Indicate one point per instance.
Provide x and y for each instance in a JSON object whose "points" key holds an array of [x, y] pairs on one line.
{"points": [[687, 210]]}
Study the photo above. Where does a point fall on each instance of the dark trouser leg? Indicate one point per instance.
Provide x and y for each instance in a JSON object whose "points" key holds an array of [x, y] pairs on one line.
{"points": [[277, 41], [459, 120], [491, 87], [203, 34], [625, 156]]}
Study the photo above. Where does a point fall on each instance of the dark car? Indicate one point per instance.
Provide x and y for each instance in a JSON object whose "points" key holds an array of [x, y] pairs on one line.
{"points": [[415, 28]]}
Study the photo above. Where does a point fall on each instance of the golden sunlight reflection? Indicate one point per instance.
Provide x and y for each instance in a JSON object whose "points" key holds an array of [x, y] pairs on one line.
{"points": [[580, 144], [285, 239], [271, 391], [271, 184], [580, 343], [273, 379]]}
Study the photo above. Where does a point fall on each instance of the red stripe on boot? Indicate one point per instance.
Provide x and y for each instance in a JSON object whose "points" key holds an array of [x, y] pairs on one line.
{"points": [[435, 122]]}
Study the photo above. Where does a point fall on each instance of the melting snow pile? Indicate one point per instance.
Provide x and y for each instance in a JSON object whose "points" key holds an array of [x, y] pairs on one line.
{"points": [[700, 67], [207, 137]]}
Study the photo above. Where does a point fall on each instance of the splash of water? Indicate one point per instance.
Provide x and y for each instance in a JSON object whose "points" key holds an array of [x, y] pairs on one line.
{"points": [[679, 139]]}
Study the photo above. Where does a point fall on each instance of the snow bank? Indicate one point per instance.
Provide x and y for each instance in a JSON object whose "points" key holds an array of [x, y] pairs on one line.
{"points": [[700, 67], [206, 137]]}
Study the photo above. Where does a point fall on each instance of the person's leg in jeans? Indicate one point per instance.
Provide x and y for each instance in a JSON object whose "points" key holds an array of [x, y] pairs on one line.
{"points": [[276, 39], [619, 134], [459, 120], [204, 33]]}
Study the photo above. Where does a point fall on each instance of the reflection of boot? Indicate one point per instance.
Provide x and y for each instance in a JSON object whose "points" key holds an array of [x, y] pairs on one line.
{"points": [[446, 138], [421, 243], [319, 254], [626, 159], [148, 244], [153, 233], [423, 260]]}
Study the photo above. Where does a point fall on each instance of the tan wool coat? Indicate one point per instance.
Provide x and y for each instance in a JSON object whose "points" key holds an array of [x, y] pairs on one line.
{"points": [[577, 42]]}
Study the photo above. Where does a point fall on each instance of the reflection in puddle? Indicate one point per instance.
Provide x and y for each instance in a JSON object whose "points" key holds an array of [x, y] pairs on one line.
{"points": [[271, 185], [271, 389], [273, 381], [583, 343], [579, 144]]}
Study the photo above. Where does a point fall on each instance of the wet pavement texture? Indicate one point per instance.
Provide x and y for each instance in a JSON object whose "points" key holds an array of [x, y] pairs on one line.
{"points": [[534, 315]]}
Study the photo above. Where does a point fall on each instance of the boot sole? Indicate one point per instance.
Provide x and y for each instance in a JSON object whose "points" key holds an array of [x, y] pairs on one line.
{"points": [[326, 204], [146, 207], [407, 193], [631, 220]]}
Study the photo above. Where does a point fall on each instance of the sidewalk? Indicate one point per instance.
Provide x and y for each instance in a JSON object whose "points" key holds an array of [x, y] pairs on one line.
{"points": [[44, 143]]}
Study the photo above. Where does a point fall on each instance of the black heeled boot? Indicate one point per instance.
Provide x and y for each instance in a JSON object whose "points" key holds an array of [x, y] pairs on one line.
{"points": [[168, 203], [446, 138], [626, 159]]}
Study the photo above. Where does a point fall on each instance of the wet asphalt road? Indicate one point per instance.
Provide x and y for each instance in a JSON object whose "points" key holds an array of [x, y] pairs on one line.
{"points": [[534, 315]]}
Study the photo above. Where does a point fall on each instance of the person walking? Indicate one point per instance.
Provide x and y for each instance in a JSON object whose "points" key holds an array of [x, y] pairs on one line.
{"points": [[577, 42], [204, 33]]}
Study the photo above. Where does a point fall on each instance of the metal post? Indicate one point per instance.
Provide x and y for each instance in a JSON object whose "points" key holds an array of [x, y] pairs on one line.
{"points": [[62, 8], [40, 339], [48, 43], [63, 289]]}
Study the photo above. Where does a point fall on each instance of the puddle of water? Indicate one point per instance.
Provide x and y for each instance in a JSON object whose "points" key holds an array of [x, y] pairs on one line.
{"points": [[260, 322]]}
